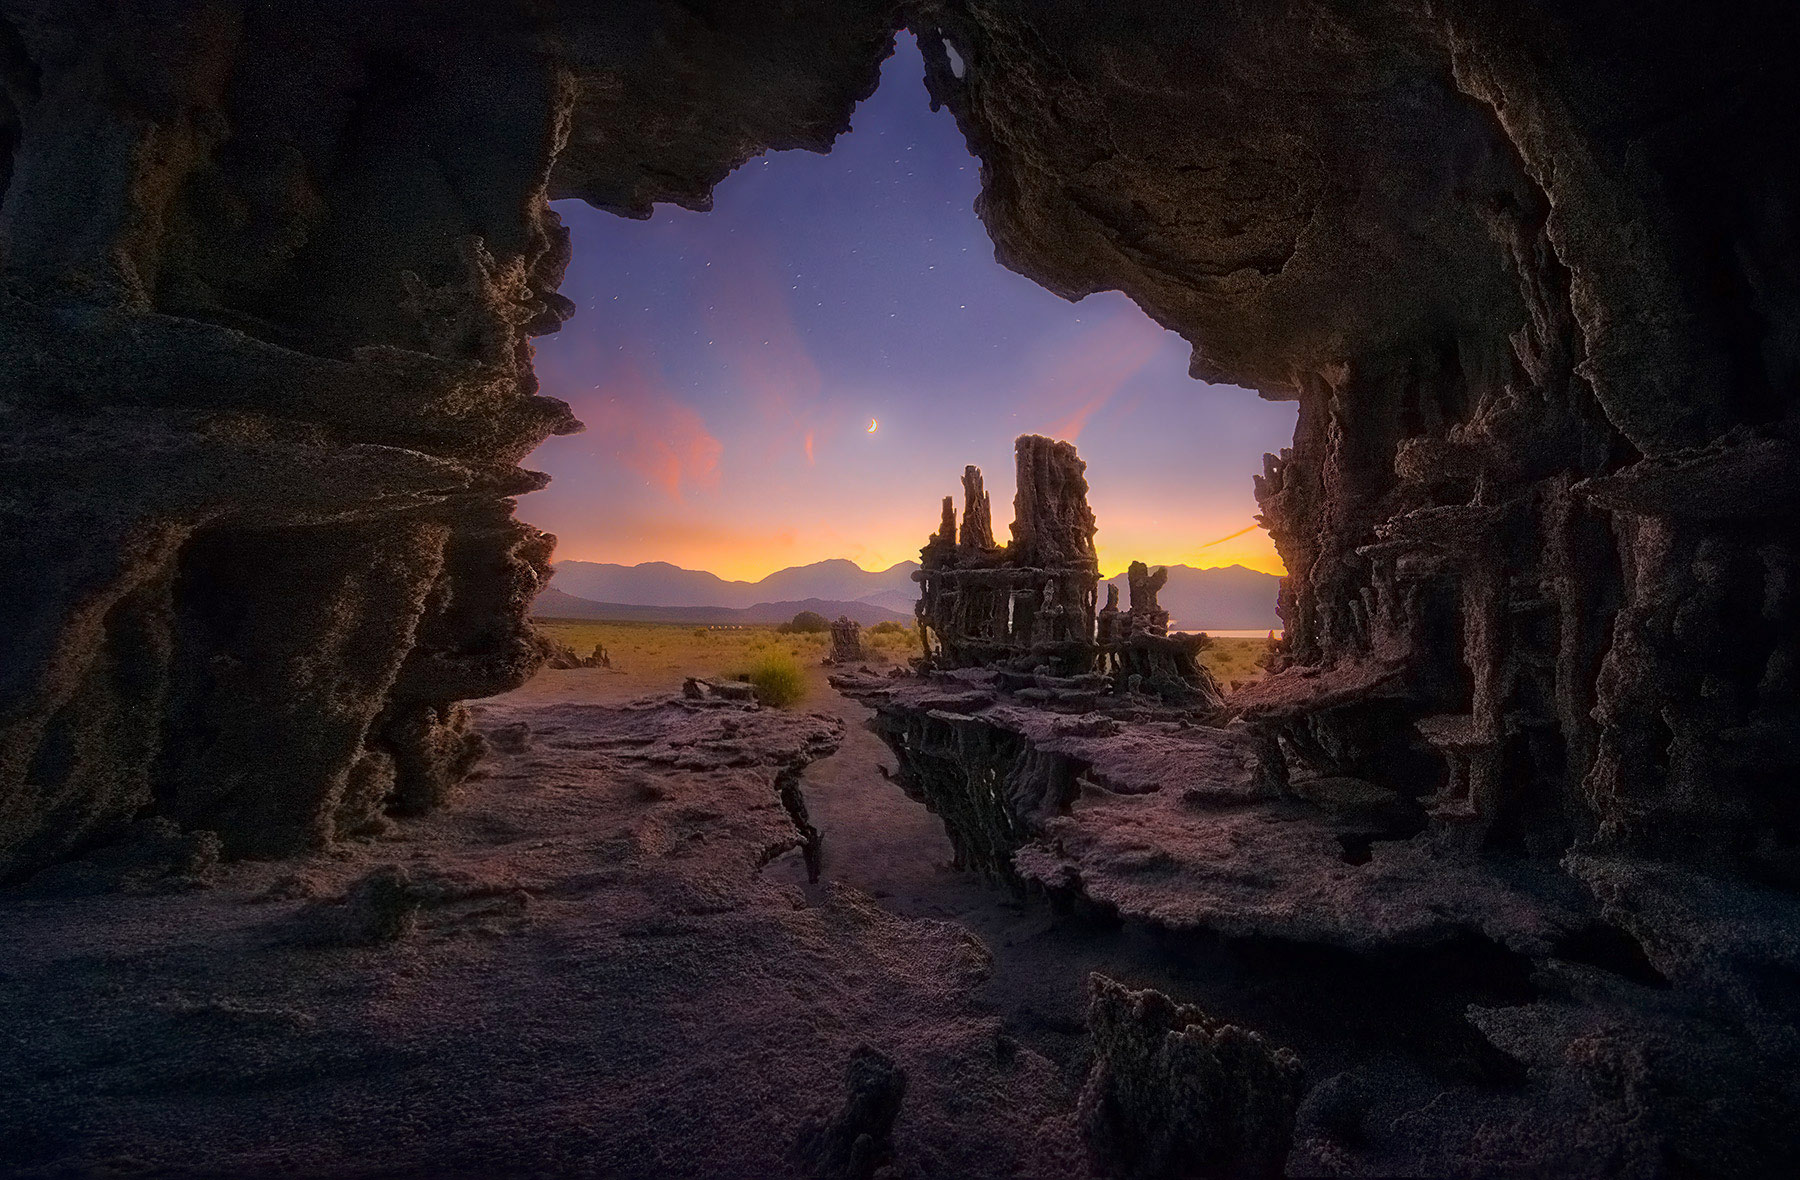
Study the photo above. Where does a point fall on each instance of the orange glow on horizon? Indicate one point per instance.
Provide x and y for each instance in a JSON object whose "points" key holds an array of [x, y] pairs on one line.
{"points": [[1251, 548], [752, 558]]}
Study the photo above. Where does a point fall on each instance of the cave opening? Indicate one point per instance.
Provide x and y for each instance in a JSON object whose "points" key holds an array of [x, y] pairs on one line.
{"points": [[790, 373], [1491, 873]]}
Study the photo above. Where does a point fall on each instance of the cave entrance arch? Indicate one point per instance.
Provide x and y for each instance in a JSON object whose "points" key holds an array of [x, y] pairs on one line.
{"points": [[799, 372]]}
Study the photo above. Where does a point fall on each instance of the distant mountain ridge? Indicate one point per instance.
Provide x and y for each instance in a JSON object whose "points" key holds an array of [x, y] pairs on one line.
{"points": [[657, 583], [1224, 598], [554, 604]]}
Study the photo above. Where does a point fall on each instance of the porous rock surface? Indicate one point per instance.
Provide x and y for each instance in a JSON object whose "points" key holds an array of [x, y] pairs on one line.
{"points": [[857, 1140], [1175, 824], [1641, 1011], [1528, 283], [1174, 1092]]}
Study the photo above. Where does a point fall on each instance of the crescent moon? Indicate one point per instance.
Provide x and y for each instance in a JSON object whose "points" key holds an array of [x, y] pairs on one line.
{"points": [[872, 425]]}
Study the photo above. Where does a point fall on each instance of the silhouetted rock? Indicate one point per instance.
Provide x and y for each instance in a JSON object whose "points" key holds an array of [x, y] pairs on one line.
{"points": [[1228, 598], [1174, 1093], [855, 1141], [381, 907], [1026, 603]]}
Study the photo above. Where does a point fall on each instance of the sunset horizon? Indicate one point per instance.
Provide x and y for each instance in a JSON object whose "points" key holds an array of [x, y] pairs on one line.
{"points": [[1108, 568], [1249, 547]]}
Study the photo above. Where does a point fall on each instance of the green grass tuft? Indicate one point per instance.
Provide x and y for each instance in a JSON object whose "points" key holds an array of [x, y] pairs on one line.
{"points": [[778, 679]]}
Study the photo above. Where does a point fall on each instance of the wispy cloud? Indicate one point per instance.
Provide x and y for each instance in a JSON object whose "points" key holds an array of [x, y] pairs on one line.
{"points": [[632, 415], [1229, 537], [1077, 378]]}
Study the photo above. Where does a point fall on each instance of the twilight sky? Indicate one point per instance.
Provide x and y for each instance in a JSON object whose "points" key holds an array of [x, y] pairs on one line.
{"points": [[728, 364]]}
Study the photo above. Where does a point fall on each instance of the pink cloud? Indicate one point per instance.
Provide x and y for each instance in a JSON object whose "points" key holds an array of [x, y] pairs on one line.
{"points": [[633, 414], [1078, 377]]}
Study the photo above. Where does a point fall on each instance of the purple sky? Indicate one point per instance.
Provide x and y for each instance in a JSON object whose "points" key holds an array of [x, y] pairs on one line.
{"points": [[728, 365]]}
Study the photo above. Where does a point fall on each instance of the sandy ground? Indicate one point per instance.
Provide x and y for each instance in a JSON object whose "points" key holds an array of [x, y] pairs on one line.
{"points": [[875, 838], [601, 978]]}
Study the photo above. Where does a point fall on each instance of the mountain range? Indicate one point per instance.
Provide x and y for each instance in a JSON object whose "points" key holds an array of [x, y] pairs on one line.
{"points": [[1228, 598], [554, 604], [1223, 598], [657, 583]]}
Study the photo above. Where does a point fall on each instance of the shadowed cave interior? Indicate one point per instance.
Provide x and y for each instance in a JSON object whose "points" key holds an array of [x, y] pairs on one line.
{"points": [[1492, 874]]}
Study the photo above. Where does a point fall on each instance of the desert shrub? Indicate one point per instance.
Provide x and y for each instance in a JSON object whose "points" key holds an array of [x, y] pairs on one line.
{"points": [[701, 633], [888, 627], [777, 678], [808, 622]]}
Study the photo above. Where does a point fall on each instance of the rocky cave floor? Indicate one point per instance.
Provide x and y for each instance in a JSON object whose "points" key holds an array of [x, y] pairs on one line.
{"points": [[606, 958]]}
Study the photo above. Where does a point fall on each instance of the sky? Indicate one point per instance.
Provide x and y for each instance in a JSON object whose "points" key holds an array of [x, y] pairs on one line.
{"points": [[729, 366]]}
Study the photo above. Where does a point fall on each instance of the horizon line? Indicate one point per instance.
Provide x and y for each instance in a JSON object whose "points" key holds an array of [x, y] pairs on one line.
{"points": [[884, 569]]}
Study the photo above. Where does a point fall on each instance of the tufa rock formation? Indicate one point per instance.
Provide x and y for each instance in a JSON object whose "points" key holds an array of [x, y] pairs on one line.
{"points": [[1538, 516], [846, 642], [1137, 649], [268, 300], [264, 421], [1540, 680], [381, 907], [856, 1142], [561, 656], [1026, 603], [1028, 607]]}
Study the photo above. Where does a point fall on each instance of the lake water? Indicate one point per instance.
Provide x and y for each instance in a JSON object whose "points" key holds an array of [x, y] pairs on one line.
{"points": [[1232, 634]]}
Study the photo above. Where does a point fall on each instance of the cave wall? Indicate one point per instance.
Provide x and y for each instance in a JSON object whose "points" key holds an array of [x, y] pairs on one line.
{"points": [[270, 272], [1529, 271]]}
